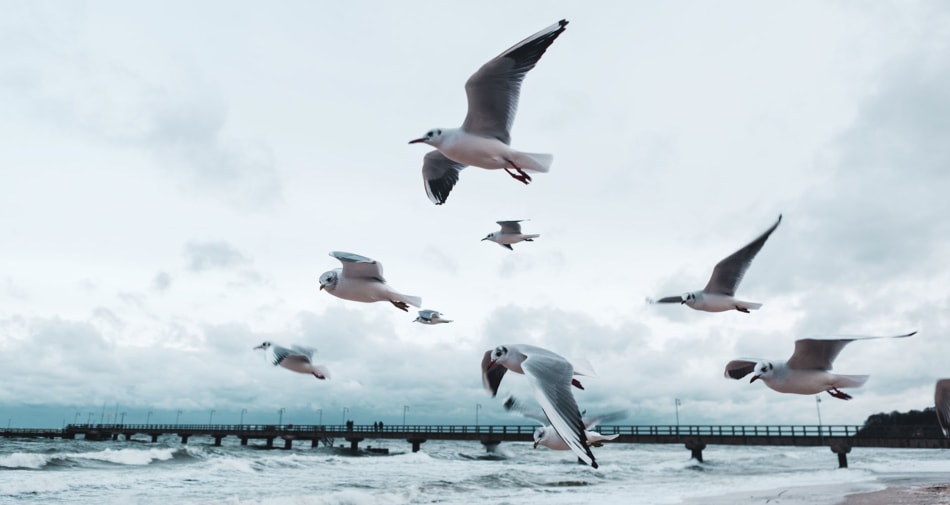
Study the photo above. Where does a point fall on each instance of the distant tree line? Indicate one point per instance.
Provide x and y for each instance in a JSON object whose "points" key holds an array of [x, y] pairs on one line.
{"points": [[913, 424]]}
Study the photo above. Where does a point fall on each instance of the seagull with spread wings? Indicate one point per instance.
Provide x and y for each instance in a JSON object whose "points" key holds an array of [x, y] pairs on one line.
{"points": [[361, 280]]}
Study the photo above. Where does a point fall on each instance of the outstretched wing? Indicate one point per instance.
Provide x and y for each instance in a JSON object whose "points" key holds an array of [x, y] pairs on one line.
{"points": [[439, 175], [355, 266], [942, 404], [491, 375], [728, 273], [819, 354], [284, 355], [513, 405], [493, 90], [739, 368], [551, 375], [510, 226]]}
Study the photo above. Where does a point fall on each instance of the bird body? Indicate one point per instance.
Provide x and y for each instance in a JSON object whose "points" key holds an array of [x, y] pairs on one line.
{"points": [[296, 358], [942, 405], [807, 372], [361, 280], [546, 436], [431, 317]]}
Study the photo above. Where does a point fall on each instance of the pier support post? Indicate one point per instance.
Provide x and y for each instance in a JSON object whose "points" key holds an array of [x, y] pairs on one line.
{"points": [[288, 443], [314, 442], [154, 437], [270, 442], [354, 443], [243, 440], [217, 440], [696, 449], [491, 445], [841, 449], [416, 442], [184, 439]]}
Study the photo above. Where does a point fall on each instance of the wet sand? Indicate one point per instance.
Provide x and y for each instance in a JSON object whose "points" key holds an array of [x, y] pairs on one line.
{"points": [[934, 493], [928, 489]]}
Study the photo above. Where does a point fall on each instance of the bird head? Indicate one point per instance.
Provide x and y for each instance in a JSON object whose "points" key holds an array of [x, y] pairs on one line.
{"points": [[688, 298], [491, 236], [499, 354], [328, 280], [538, 435], [432, 137], [763, 370], [264, 345]]}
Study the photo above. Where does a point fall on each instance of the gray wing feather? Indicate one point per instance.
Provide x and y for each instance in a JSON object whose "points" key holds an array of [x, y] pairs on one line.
{"points": [[355, 266], [728, 273], [439, 175], [493, 90], [819, 354], [282, 354], [305, 351], [591, 422], [551, 375], [739, 368], [942, 404], [510, 226], [513, 405], [491, 377]]}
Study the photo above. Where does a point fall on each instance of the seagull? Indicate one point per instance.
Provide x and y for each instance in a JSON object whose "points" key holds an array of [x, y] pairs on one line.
{"points": [[361, 280], [552, 377], [546, 436], [484, 138], [510, 233], [719, 293], [427, 316], [297, 358], [942, 403], [807, 372]]}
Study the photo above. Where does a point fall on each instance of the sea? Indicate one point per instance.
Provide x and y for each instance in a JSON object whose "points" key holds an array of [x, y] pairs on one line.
{"points": [[128, 472]]}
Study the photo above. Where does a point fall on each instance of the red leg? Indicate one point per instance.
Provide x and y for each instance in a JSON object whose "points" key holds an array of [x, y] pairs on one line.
{"points": [[521, 176], [576, 383], [839, 394]]}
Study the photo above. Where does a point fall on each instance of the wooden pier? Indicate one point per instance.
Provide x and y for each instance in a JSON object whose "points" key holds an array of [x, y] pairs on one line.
{"points": [[839, 438]]}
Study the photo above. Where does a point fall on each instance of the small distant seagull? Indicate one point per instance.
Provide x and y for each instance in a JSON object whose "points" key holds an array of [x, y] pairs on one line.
{"points": [[546, 436], [552, 377], [807, 372], [427, 316], [484, 138], [719, 293], [361, 280], [942, 403], [298, 359], [510, 233]]}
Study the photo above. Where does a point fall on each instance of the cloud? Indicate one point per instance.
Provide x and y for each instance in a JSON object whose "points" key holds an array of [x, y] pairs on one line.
{"points": [[161, 282], [204, 256]]}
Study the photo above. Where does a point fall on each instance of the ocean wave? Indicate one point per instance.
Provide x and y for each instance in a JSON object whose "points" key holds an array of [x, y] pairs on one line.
{"points": [[131, 457]]}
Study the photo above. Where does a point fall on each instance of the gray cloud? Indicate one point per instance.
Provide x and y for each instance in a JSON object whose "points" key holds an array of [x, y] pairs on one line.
{"points": [[204, 256], [162, 281]]}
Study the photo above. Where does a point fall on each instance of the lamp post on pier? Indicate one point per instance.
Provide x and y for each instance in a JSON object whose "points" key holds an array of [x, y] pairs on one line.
{"points": [[321, 416], [177, 417], [211, 416], [148, 418], [404, 409], [280, 419], [345, 410], [821, 436], [478, 406], [677, 404], [243, 411]]}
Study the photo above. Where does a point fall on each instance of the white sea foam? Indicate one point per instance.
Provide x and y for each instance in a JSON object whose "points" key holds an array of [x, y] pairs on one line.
{"points": [[23, 460]]}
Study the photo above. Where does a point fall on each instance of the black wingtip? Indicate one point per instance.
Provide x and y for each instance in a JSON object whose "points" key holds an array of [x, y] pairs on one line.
{"points": [[594, 465], [562, 23]]}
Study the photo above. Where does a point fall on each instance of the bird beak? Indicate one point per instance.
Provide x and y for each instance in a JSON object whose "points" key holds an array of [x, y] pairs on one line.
{"points": [[486, 238], [416, 141], [491, 363], [321, 287], [258, 347], [535, 445], [754, 378]]}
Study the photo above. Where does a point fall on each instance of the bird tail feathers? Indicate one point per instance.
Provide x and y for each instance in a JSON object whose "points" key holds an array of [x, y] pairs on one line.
{"points": [[851, 381], [533, 161], [321, 372], [415, 301]]}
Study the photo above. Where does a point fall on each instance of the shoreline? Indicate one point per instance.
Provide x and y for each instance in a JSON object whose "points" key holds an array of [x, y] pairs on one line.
{"points": [[890, 489], [904, 490]]}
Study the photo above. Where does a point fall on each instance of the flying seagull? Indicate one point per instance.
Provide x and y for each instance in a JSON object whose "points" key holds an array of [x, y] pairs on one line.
{"points": [[552, 377], [298, 359], [510, 233], [484, 138], [942, 403], [427, 316], [546, 436], [361, 280], [719, 293], [807, 372]]}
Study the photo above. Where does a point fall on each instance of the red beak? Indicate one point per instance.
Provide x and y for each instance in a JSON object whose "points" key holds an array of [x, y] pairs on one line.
{"points": [[754, 378]]}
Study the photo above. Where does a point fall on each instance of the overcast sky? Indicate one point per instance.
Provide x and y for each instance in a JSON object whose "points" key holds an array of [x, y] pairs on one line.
{"points": [[173, 175]]}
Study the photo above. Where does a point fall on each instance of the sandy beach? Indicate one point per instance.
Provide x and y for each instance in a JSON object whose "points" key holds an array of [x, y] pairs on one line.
{"points": [[902, 492]]}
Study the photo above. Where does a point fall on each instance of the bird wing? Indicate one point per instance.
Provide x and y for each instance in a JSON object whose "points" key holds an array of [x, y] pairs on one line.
{"points": [[355, 266], [510, 226], [494, 89], [728, 273], [591, 422], [551, 376], [819, 353], [427, 314], [491, 377], [439, 175], [739, 368], [513, 405], [282, 354], [306, 351], [942, 404]]}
